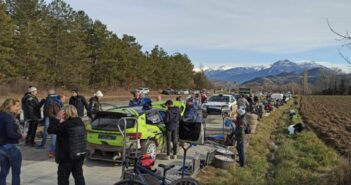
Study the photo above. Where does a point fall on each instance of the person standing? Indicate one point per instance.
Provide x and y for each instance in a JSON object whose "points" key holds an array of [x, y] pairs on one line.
{"points": [[71, 145], [48, 102], [9, 140], [239, 134], [94, 104], [54, 108], [79, 102], [203, 96], [242, 102], [171, 120], [137, 100], [31, 110]]}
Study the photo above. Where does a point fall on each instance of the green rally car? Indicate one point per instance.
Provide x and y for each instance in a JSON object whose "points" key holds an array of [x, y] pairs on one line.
{"points": [[146, 127]]}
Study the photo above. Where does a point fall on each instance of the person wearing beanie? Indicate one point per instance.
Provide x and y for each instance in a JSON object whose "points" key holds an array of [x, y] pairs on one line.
{"points": [[79, 102], [31, 109], [94, 104]]}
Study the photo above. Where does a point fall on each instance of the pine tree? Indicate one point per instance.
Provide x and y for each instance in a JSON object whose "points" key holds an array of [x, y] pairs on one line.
{"points": [[6, 43], [29, 39], [68, 56]]}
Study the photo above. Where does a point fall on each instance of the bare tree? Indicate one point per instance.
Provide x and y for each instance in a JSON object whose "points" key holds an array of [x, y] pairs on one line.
{"points": [[342, 37]]}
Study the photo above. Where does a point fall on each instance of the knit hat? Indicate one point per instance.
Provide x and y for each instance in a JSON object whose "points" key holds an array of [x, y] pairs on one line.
{"points": [[99, 93], [32, 89]]}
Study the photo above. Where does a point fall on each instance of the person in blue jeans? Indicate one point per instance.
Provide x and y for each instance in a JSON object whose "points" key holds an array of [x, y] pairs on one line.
{"points": [[48, 101], [239, 133], [52, 106], [11, 156]]}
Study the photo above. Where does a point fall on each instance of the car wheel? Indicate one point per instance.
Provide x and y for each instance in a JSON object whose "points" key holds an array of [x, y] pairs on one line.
{"points": [[149, 147]]}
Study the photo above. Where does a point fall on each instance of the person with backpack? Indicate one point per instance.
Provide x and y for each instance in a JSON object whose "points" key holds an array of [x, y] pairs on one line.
{"points": [[71, 145], [94, 104], [240, 129], [49, 111], [242, 102], [171, 120], [54, 108], [79, 102], [10, 135], [31, 110]]}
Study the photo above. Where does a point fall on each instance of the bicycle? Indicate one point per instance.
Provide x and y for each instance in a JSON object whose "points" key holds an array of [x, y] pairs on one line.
{"points": [[141, 175]]}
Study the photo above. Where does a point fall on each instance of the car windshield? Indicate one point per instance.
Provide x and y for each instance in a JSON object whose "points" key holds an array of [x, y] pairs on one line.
{"points": [[219, 99], [109, 122]]}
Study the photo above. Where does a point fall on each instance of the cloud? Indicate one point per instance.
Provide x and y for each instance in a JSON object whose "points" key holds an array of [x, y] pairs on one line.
{"points": [[267, 26]]}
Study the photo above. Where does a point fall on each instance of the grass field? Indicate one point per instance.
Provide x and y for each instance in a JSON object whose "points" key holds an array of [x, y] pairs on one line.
{"points": [[275, 158]]}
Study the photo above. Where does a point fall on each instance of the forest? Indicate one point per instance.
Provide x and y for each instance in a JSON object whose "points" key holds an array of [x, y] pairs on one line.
{"points": [[55, 45]]}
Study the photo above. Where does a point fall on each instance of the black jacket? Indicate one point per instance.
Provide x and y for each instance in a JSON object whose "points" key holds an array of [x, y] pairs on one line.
{"points": [[9, 131], [80, 103], [172, 118], [31, 107], [240, 127], [63, 149], [94, 106]]}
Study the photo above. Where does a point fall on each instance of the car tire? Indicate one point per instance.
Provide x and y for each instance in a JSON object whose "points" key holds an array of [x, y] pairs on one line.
{"points": [[149, 147]]}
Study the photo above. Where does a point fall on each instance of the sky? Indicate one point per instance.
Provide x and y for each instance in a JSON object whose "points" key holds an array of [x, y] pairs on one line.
{"points": [[231, 32]]}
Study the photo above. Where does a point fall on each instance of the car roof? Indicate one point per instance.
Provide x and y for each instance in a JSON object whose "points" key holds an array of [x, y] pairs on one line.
{"points": [[221, 95]]}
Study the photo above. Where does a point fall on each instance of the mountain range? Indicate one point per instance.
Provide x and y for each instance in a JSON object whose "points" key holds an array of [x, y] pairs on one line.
{"points": [[247, 74]]}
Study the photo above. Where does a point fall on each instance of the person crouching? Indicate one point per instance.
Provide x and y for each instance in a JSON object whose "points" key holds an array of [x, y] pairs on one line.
{"points": [[71, 145]]}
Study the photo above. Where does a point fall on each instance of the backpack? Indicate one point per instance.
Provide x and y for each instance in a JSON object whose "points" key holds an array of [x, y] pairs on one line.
{"points": [[48, 101], [77, 142]]}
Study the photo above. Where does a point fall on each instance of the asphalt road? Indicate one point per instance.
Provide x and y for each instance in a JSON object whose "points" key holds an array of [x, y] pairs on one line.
{"points": [[38, 169]]}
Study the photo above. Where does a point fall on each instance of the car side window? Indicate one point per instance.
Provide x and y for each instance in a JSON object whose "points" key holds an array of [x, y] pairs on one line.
{"points": [[153, 118], [162, 114]]}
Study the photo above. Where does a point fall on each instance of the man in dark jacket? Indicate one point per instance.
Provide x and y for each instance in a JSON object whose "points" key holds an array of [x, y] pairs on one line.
{"points": [[31, 110], [94, 104], [171, 120], [137, 100], [71, 145], [239, 133], [79, 102]]}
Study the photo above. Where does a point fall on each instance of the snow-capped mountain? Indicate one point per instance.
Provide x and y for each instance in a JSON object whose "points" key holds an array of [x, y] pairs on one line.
{"points": [[206, 68], [242, 74]]}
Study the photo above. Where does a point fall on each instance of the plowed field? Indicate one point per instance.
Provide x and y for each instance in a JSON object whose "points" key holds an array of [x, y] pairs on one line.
{"points": [[330, 118]]}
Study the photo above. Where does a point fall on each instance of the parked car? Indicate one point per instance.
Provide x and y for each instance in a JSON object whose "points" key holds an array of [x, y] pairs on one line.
{"points": [[219, 102], [186, 92], [182, 92], [146, 128], [168, 91], [277, 96], [144, 90]]}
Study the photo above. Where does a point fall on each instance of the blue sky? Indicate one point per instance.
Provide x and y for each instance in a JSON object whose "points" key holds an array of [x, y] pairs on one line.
{"points": [[230, 32]]}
